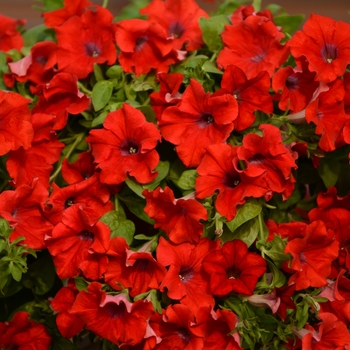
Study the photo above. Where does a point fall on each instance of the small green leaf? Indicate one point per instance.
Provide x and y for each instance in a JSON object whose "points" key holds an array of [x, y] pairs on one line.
{"points": [[246, 212], [81, 283], [162, 169], [212, 28], [289, 23], [210, 67], [40, 276], [98, 72], [187, 180], [257, 5], [101, 94], [278, 279], [119, 225], [329, 170], [16, 272], [247, 232], [136, 205]]}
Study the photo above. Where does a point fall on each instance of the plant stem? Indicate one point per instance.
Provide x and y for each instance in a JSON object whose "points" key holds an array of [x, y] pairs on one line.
{"points": [[105, 3], [69, 153]]}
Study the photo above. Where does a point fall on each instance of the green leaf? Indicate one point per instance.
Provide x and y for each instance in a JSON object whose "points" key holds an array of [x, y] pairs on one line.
{"points": [[119, 225], [136, 205], [212, 28], [81, 283], [246, 212], [101, 94], [34, 35], [98, 72], [187, 180], [279, 279], [275, 250], [115, 72], [162, 169], [257, 5], [210, 67], [138, 85], [17, 272], [40, 276], [247, 232], [302, 314], [289, 23], [99, 120], [329, 170], [5, 229]]}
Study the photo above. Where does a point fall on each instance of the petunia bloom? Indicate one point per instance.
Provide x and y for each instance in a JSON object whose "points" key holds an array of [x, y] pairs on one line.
{"points": [[11, 38], [180, 18], [112, 317], [268, 155], [325, 44], [23, 333], [125, 147], [15, 127], [199, 120], [233, 269], [253, 45], [219, 171], [179, 218], [312, 256], [95, 43]]}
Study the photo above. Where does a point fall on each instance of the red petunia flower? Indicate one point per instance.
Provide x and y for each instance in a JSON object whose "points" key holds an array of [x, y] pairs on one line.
{"points": [[22, 333], [95, 43], [144, 45], [69, 325], [253, 45], [60, 97], [179, 218], [23, 210], [312, 256], [168, 94], [219, 171], [297, 87], [327, 113], [200, 120], [15, 127], [70, 9], [74, 239], [37, 67], [36, 162], [251, 94], [112, 317], [138, 271], [332, 334], [242, 12], [185, 280], [176, 329], [125, 146], [218, 328], [10, 37], [82, 169], [268, 155], [90, 193], [233, 269], [180, 18], [325, 44]]}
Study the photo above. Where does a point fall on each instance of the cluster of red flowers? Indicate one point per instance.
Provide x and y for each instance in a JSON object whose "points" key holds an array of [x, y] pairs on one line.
{"points": [[202, 265]]}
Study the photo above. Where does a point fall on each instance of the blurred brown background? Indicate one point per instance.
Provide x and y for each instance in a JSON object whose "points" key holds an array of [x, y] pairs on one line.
{"points": [[337, 9]]}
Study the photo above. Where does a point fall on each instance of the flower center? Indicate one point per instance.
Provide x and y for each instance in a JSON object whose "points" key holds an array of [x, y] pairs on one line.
{"points": [[292, 83], [256, 159], [232, 273], [86, 235], [114, 310], [329, 52], [258, 58], [142, 265], [186, 273], [302, 258], [184, 334], [69, 202], [92, 50], [231, 180], [41, 59], [176, 30], [129, 147], [140, 42], [205, 119]]}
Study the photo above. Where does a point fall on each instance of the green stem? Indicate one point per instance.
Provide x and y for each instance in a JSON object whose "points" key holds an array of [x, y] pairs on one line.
{"points": [[105, 3], [69, 153], [261, 229], [116, 202], [268, 206], [82, 88]]}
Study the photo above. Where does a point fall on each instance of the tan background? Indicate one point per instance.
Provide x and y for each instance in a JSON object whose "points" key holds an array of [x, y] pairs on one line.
{"points": [[337, 9]]}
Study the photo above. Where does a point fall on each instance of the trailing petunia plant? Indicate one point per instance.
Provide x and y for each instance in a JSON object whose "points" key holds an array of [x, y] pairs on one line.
{"points": [[171, 179]]}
